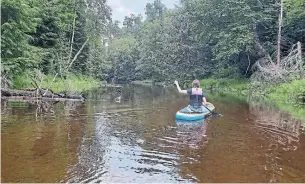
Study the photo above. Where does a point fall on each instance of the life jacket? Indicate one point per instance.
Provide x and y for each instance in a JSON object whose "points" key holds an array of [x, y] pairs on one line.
{"points": [[196, 91], [196, 97]]}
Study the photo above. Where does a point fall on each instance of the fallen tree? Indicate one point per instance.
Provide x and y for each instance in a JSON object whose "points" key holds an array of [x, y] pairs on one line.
{"points": [[38, 93]]}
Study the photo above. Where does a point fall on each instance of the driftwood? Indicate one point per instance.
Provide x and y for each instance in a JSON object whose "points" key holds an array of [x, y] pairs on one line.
{"points": [[33, 94]]}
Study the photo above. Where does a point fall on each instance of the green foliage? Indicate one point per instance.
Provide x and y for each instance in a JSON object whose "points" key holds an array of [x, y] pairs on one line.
{"points": [[93, 17], [226, 85], [72, 83], [233, 32], [22, 81], [121, 45], [296, 111], [200, 39], [131, 24], [294, 25], [231, 98], [294, 9], [37, 35], [197, 39], [289, 97], [154, 10], [18, 21], [292, 92], [122, 56], [229, 72], [287, 92]]}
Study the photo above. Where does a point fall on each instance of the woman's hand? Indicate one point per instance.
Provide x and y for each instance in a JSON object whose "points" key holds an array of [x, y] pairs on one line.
{"points": [[176, 82]]}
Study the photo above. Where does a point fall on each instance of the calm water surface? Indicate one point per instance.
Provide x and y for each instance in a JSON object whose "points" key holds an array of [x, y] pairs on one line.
{"points": [[138, 140]]}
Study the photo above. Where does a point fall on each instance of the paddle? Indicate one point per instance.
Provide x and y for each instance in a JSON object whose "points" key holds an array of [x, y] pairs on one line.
{"points": [[213, 112]]}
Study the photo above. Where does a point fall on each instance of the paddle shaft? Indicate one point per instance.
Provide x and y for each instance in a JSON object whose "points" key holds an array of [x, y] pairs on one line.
{"points": [[210, 110], [207, 108]]}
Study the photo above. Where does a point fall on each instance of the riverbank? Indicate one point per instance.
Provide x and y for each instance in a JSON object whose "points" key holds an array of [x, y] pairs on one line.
{"points": [[289, 97], [240, 86], [72, 83], [147, 83]]}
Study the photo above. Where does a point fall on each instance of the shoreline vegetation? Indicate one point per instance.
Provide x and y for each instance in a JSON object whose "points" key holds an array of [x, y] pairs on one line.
{"points": [[71, 87], [70, 84], [147, 83], [288, 97], [289, 93]]}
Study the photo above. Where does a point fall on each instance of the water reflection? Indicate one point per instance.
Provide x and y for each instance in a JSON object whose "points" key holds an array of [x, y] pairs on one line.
{"points": [[192, 134], [134, 141], [280, 133], [37, 145], [115, 153], [276, 125], [139, 140]]}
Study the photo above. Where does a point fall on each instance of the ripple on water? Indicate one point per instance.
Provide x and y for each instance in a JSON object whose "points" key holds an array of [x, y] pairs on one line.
{"points": [[116, 153], [139, 141]]}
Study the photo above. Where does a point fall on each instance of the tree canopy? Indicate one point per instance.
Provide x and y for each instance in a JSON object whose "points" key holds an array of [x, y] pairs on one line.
{"points": [[196, 39]]}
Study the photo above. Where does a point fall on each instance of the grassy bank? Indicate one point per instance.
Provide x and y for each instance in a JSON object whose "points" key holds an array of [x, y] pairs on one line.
{"points": [[240, 86], [147, 83], [287, 97], [72, 83], [144, 82], [291, 92]]}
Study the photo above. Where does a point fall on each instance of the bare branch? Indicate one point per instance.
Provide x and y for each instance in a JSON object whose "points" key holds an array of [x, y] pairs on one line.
{"points": [[72, 39], [50, 85], [248, 66], [76, 55]]}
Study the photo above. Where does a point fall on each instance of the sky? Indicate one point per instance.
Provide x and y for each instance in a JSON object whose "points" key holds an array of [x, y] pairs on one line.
{"points": [[122, 8]]}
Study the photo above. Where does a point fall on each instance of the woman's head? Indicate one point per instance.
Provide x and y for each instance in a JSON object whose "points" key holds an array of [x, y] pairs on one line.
{"points": [[196, 83]]}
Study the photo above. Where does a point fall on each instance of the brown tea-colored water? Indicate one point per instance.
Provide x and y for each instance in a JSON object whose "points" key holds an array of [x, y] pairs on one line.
{"points": [[138, 140]]}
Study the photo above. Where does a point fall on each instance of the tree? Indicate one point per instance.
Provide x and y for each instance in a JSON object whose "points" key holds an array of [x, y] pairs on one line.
{"points": [[19, 19]]}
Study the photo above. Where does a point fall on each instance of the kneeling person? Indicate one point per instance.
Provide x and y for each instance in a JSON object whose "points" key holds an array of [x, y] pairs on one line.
{"points": [[197, 97]]}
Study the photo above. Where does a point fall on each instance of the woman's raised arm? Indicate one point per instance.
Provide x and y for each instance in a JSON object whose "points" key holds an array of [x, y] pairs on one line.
{"points": [[179, 89]]}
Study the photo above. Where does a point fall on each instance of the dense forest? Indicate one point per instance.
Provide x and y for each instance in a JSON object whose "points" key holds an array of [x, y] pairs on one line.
{"points": [[197, 39]]}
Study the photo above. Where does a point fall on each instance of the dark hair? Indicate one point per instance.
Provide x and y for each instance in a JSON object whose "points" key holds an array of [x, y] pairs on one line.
{"points": [[196, 83]]}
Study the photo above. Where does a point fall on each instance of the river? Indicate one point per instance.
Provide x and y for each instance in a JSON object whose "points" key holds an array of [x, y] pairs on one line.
{"points": [[138, 140]]}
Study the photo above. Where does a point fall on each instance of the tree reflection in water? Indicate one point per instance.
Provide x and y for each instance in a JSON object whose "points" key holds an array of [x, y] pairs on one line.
{"points": [[280, 133]]}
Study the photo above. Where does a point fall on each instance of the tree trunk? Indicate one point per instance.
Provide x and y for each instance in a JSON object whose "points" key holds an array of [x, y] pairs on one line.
{"points": [[278, 60]]}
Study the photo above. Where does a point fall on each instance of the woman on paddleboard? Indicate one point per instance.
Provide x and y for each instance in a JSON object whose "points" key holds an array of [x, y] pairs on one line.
{"points": [[197, 97]]}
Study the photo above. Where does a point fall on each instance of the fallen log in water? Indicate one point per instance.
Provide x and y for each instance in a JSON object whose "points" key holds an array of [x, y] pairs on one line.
{"points": [[32, 99], [11, 92], [37, 94]]}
